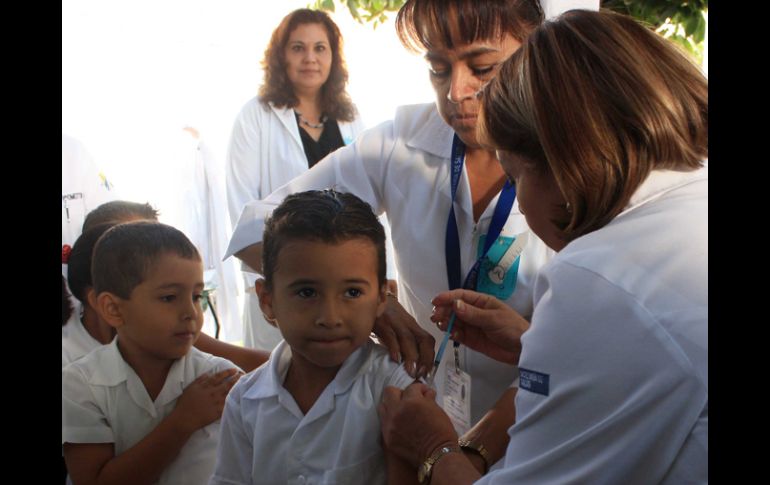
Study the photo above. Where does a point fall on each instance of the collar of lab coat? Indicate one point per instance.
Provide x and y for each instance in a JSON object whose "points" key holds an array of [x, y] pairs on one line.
{"points": [[660, 182], [270, 382], [286, 116], [112, 370], [432, 136]]}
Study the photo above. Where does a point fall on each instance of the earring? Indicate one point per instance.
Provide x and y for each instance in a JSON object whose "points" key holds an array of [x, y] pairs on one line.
{"points": [[568, 207], [268, 319]]}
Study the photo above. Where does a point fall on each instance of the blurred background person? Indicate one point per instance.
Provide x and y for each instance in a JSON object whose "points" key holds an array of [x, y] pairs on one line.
{"points": [[302, 113], [83, 188]]}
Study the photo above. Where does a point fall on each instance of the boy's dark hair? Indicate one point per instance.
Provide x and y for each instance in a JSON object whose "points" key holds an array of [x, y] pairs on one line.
{"points": [[66, 304], [126, 252], [79, 265], [321, 215], [120, 211]]}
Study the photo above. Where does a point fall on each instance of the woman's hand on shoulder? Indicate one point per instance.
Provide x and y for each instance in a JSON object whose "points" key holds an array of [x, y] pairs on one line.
{"points": [[406, 341]]}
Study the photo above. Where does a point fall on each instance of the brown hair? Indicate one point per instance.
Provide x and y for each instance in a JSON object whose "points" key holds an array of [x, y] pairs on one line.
{"points": [[422, 23], [277, 89], [599, 101], [321, 215]]}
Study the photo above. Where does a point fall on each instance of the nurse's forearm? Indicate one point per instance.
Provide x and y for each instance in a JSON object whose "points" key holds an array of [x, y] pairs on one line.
{"points": [[252, 256], [492, 430], [454, 469]]}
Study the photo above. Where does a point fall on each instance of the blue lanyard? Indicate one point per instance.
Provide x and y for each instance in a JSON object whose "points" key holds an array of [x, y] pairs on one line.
{"points": [[452, 243]]}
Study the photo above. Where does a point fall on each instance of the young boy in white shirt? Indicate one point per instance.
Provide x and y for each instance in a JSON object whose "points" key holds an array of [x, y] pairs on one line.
{"points": [[145, 408], [309, 415]]}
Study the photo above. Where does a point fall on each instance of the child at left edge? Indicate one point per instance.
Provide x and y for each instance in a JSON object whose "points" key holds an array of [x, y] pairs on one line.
{"points": [[146, 407], [309, 414]]}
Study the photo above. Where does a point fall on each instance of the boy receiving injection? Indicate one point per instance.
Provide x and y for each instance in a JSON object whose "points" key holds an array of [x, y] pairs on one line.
{"points": [[309, 415], [145, 408]]}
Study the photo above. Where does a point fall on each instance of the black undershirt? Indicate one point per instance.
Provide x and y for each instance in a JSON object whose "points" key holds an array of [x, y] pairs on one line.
{"points": [[330, 140]]}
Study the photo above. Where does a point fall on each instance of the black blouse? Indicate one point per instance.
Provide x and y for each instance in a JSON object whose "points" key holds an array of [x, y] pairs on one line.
{"points": [[330, 140]]}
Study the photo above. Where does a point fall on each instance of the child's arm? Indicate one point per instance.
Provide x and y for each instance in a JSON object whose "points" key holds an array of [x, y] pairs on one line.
{"points": [[199, 405], [245, 358], [235, 453]]}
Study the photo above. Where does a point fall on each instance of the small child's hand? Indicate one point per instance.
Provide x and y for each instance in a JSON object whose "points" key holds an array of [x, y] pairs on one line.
{"points": [[202, 402]]}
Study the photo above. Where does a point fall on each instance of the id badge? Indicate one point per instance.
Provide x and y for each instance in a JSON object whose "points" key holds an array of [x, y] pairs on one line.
{"points": [[500, 269], [457, 398]]}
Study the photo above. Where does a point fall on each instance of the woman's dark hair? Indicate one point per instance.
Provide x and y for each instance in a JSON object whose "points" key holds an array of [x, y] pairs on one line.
{"points": [[422, 24], [277, 89]]}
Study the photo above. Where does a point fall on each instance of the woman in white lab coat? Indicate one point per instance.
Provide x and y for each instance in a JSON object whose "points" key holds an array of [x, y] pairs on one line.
{"points": [[603, 127], [302, 113]]}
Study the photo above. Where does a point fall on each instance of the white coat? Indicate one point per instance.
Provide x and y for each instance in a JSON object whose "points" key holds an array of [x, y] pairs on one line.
{"points": [[614, 370], [265, 152], [191, 198], [83, 189], [402, 168]]}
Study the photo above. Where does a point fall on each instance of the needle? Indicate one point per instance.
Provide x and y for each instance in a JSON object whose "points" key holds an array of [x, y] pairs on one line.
{"points": [[441, 349]]}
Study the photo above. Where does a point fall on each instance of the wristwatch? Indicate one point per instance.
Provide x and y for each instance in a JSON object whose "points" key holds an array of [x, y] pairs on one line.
{"points": [[426, 468], [478, 448]]}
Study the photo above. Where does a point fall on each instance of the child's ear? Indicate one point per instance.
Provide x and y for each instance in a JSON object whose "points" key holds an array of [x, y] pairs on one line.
{"points": [[107, 306], [383, 299], [265, 301]]}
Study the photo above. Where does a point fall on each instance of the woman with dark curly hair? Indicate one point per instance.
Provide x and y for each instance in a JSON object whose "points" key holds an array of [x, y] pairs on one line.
{"points": [[301, 114]]}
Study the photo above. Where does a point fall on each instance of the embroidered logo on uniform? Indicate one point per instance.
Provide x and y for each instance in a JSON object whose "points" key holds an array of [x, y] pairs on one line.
{"points": [[532, 381], [105, 182]]}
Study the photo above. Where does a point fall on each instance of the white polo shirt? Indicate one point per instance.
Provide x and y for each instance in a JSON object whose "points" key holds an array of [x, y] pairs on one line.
{"points": [[614, 370], [402, 168], [104, 401], [75, 339], [266, 439]]}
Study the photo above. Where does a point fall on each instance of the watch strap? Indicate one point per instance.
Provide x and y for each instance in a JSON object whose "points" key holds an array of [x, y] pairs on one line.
{"points": [[425, 470], [477, 448]]}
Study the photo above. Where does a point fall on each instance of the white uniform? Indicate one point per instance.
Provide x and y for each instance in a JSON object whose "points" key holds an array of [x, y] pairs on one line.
{"points": [[75, 339], [83, 189], [614, 370], [191, 197], [104, 401], [265, 152], [402, 168], [266, 439]]}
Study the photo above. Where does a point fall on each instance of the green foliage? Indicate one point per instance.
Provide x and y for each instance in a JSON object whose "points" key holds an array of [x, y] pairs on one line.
{"points": [[681, 21], [364, 11]]}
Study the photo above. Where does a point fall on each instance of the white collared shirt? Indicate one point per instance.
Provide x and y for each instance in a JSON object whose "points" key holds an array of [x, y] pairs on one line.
{"points": [[617, 354], [104, 401], [266, 439], [75, 339], [402, 168]]}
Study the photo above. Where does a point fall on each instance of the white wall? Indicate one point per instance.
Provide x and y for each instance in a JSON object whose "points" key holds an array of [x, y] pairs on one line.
{"points": [[135, 73]]}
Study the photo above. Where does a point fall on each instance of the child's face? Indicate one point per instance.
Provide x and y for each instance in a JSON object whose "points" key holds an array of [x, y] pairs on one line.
{"points": [[325, 298], [163, 317]]}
